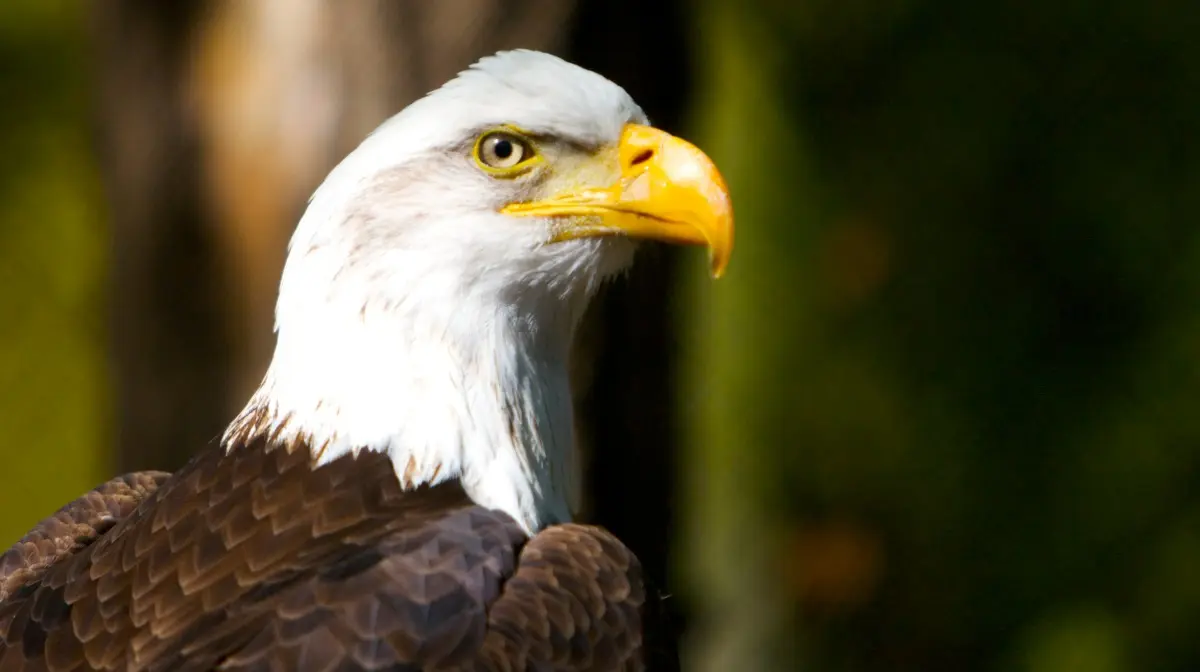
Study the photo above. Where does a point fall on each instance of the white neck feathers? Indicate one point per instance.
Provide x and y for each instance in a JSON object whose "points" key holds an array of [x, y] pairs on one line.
{"points": [[481, 400]]}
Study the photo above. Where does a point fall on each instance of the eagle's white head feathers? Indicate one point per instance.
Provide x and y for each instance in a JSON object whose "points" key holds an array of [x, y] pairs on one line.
{"points": [[432, 288]]}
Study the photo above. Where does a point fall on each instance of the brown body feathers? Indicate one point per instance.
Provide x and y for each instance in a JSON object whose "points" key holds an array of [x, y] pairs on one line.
{"points": [[255, 560]]}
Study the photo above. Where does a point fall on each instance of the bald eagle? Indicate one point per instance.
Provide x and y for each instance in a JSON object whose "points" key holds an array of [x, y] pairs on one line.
{"points": [[398, 492]]}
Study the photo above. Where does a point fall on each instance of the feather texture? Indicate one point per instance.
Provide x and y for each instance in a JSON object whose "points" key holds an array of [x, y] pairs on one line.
{"points": [[254, 560]]}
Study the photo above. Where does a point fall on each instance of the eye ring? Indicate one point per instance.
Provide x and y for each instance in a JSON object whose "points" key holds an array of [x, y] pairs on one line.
{"points": [[503, 152]]}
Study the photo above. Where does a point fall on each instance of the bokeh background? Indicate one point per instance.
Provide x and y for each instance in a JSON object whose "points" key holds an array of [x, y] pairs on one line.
{"points": [[942, 414]]}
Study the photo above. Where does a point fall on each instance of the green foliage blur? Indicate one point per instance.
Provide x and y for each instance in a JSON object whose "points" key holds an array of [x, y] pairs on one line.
{"points": [[948, 399], [53, 394], [943, 412]]}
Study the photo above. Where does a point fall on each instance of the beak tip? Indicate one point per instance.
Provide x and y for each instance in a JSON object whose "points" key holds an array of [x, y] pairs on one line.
{"points": [[720, 245], [718, 261]]}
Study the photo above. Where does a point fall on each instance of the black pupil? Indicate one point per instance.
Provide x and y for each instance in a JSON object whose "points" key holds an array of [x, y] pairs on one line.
{"points": [[503, 148]]}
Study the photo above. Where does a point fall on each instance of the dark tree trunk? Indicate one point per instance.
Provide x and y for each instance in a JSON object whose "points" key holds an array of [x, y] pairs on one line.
{"points": [[167, 344]]}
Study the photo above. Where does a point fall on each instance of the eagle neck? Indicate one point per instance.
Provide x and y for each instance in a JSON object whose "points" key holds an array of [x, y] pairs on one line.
{"points": [[444, 397]]}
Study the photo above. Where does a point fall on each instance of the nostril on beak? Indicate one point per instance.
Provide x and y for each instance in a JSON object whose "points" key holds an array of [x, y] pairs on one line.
{"points": [[641, 157]]}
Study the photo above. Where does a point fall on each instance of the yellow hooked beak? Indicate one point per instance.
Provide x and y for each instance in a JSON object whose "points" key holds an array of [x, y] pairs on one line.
{"points": [[669, 190]]}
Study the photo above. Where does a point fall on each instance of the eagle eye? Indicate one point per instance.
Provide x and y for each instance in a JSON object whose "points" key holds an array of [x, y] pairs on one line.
{"points": [[504, 152]]}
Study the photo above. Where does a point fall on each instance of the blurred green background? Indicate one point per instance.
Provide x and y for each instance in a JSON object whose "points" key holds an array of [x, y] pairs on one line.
{"points": [[943, 413], [53, 366]]}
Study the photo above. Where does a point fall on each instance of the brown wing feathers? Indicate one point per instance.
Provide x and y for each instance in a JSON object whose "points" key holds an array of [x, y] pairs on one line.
{"points": [[574, 604], [73, 527], [255, 561], [418, 597]]}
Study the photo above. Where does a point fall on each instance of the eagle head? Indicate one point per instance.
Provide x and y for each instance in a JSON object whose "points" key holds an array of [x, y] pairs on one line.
{"points": [[433, 285]]}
